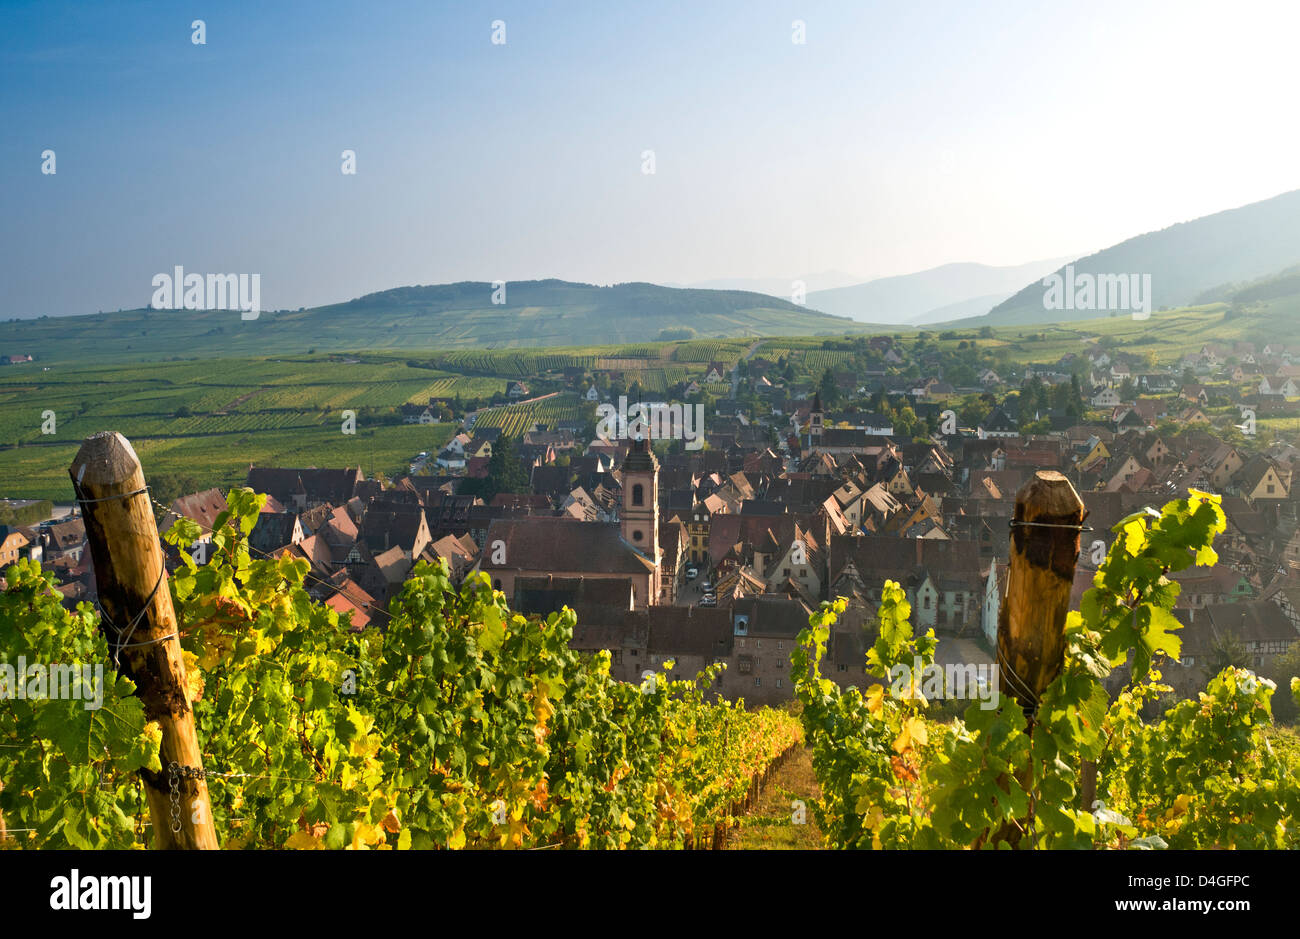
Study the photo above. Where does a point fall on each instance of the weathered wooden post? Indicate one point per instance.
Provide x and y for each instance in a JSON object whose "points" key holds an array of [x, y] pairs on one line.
{"points": [[141, 628], [1045, 532]]}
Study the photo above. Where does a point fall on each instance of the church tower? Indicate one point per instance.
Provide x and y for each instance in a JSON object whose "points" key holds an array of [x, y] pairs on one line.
{"points": [[639, 517]]}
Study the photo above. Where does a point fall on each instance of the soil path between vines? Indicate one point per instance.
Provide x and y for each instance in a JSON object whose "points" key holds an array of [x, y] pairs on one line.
{"points": [[771, 824]]}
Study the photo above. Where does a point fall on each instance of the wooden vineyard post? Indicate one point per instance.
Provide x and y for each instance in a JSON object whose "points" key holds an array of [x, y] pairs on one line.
{"points": [[140, 625], [1045, 533]]}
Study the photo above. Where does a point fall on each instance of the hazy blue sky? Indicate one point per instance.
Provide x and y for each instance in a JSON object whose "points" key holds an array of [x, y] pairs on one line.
{"points": [[899, 137]]}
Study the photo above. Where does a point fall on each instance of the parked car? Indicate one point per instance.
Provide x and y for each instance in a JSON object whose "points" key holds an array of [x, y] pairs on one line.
{"points": [[709, 601], [707, 586], [692, 573]]}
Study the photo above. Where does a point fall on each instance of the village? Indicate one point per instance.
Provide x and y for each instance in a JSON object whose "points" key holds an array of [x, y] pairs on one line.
{"points": [[807, 488]]}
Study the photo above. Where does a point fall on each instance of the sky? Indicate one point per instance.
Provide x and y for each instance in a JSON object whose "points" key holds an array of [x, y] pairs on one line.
{"points": [[895, 138]]}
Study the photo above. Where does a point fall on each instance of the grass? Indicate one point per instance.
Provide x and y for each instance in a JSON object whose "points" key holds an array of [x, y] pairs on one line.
{"points": [[1285, 741], [770, 824]]}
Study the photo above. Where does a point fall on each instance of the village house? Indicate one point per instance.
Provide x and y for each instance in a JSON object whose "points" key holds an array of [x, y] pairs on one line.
{"points": [[301, 489], [1278, 385], [12, 545], [764, 630], [626, 550], [945, 580], [202, 508], [1259, 481]]}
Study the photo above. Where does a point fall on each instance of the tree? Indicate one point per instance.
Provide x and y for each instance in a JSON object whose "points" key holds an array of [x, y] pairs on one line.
{"points": [[1227, 652], [830, 391], [905, 423], [168, 487], [505, 473], [974, 411]]}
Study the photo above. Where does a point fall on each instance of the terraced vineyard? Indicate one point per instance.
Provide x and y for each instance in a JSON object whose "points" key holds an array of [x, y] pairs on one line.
{"points": [[813, 360], [210, 422], [515, 419], [706, 351]]}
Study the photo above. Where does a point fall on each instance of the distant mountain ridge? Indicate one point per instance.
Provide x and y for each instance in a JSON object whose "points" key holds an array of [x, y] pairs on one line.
{"points": [[782, 287], [1183, 261], [950, 291]]}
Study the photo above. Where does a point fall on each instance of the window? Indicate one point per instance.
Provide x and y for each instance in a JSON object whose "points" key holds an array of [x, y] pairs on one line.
{"points": [[638, 494], [637, 536], [758, 682], [926, 604], [780, 647], [843, 668], [778, 683]]}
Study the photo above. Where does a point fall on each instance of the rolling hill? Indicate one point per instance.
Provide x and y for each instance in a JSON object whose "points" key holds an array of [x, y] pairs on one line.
{"points": [[446, 316], [1184, 260]]}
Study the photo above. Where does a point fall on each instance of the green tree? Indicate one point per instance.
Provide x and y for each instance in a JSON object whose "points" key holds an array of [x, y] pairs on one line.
{"points": [[168, 487], [1227, 652], [1285, 668], [505, 473], [829, 391]]}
